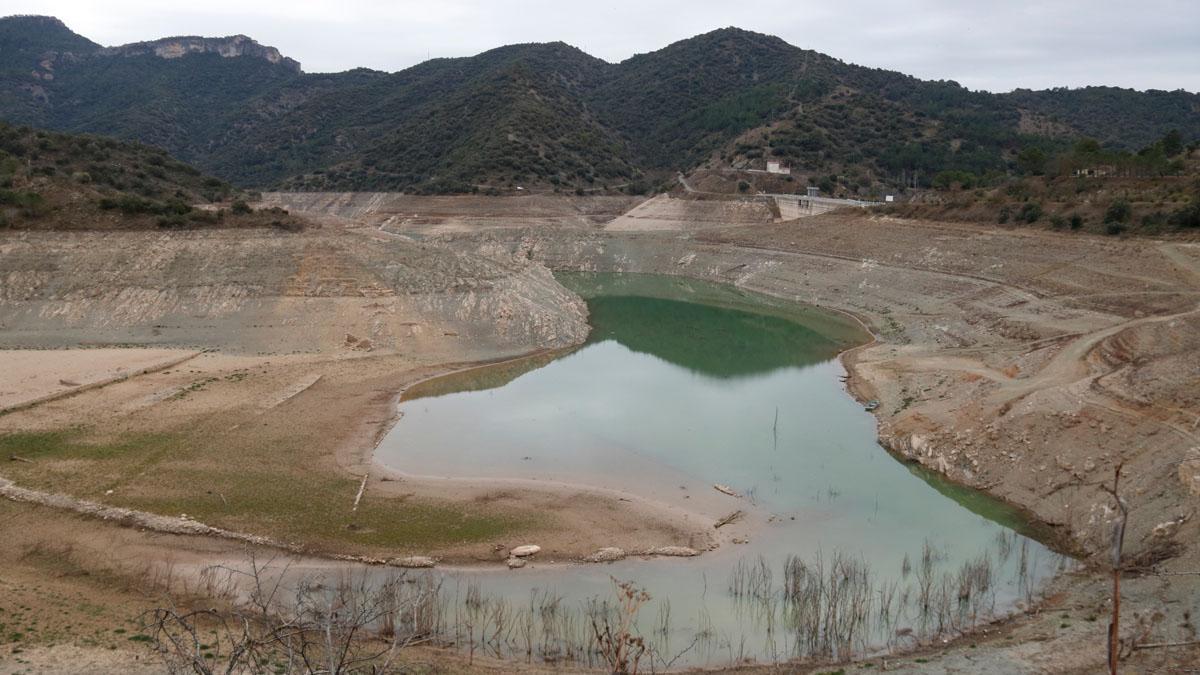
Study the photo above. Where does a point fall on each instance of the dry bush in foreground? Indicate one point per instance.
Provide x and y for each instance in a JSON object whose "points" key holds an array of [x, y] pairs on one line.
{"points": [[353, 626]]}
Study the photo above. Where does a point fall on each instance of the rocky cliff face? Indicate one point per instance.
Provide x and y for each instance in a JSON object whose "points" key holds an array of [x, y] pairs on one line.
{"points": [[228, 47]]}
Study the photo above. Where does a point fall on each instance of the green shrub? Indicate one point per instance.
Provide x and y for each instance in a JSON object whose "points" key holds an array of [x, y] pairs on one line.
{"points": [[1154, 220], [947, 179], [241, 208], [21, 199], [1188, 216], [129, 204], [134, 205], [31, 204], [1119, 212], [1030, 213]]}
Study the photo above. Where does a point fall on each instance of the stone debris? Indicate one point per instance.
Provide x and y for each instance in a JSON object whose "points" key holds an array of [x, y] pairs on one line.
{"points": [[1168, 529], [606, 554]]}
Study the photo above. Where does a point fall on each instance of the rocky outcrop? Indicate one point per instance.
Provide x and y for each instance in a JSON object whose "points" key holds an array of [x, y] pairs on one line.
{"points": [[228, 47]]}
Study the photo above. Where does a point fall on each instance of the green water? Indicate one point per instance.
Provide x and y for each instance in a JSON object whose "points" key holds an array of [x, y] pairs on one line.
{"points": [[682, 385]]}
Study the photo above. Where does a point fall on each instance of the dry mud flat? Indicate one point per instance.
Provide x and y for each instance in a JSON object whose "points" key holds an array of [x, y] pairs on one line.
{"points": [[1024, 363], [33, 376]]}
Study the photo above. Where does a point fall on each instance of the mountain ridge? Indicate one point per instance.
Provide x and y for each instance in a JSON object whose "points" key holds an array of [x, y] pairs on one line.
{"points": [[551, 115]]}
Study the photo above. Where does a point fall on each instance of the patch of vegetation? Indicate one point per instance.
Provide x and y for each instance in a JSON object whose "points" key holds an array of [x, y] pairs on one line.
{"points": [[1152, 191], [61, 181], [31, 204], [1119, 212], [134, 205], [1030, 212], [244, 486], [51, 180]]}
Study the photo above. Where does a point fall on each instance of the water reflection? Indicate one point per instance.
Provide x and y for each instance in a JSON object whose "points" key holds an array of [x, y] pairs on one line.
{"points": [[689, 384]]}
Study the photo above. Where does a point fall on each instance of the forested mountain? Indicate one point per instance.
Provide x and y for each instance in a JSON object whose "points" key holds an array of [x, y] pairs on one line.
{"points": [[51, 180], [516, 114], [550, 115]]}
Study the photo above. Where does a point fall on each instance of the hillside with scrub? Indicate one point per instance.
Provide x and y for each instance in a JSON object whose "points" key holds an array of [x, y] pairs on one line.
{"points": [[550, 117]]}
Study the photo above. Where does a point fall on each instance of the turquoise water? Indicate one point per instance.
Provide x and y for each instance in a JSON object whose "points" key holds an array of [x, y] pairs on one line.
{"points": [[682, 385]]}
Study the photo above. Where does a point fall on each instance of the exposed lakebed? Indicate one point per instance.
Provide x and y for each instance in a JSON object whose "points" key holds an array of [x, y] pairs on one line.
{"points": [[683, 385]]}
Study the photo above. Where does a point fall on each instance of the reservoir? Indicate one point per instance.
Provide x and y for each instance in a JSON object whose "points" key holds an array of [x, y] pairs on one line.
{"points": [[684, 385]]}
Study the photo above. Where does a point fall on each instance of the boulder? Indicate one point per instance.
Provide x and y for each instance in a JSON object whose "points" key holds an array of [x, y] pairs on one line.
{"points": [[515, 563], [525, 551]]}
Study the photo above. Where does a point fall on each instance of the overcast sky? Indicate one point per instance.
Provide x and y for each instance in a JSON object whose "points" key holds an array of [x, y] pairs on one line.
{"points": [[996, 45]]}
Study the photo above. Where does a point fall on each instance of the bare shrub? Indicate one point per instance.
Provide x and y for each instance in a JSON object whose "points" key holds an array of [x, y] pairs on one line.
{"points": [[351, 626], [612, 626]]}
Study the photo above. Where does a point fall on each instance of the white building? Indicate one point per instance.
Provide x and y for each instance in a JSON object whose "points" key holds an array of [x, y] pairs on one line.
{"points": [[776, 167]]}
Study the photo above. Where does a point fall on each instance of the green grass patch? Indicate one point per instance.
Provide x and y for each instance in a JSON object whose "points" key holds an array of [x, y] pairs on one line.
{"points": [[275, 489]]}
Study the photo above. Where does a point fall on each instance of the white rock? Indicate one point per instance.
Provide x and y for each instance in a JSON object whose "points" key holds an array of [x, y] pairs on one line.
{"points": [[606, 554], [1168, 528], [525, 551], [515, 563], [413, 562], [675, 551]]}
